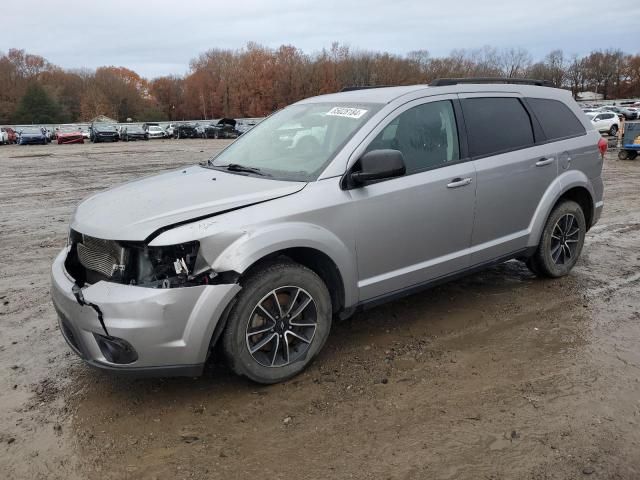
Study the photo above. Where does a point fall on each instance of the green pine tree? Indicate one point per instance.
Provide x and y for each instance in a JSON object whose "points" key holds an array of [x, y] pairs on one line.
{"points": [[36, 106]]}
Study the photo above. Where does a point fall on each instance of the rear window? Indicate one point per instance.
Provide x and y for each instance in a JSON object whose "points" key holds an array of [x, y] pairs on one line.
{"points": [[557, 120], [496, 124]]}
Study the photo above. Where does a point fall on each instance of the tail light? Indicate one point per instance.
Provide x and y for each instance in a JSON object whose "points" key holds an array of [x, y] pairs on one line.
{"points": [[602, 146]]}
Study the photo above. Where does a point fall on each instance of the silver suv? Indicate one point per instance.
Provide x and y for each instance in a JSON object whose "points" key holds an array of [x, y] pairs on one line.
{"points": [[333, 204]]}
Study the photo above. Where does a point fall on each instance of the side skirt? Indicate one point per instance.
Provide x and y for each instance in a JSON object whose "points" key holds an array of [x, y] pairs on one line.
{"points": [[396, 294]]}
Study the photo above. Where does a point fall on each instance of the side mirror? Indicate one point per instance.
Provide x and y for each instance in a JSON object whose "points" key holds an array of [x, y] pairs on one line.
{"points": [[378, 165]]}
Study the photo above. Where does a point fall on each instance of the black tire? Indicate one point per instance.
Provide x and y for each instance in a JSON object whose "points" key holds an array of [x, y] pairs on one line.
{"points": [[613, 131], [561, 241], [280, 281], [623, 155]]}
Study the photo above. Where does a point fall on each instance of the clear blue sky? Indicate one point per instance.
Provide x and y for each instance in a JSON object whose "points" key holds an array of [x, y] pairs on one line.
{"points": [[159, 37]]}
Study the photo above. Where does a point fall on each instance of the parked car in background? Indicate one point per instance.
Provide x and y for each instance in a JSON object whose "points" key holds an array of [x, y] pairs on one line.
{"points": [[32, 136], [170, 129], [4, 137], [133, 132], [636, 111], [69, 134], [398, 194], [612, 108], [225, 128], [629, 113], [155, 131], [605, 122], [103, 132], [86, 134], [11, 134], [244, 127], [185, 130]]}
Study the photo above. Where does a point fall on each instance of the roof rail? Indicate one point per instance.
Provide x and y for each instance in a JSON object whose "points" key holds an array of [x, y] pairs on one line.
{"points": [[362, 87], [441, 82]]}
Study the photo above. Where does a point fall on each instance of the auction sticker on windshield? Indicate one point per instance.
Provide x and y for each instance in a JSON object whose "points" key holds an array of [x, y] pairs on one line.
{"points": [[346, 112]]}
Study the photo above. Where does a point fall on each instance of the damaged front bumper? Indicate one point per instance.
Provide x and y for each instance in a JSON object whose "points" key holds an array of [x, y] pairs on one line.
{"points": [[168, 330]]}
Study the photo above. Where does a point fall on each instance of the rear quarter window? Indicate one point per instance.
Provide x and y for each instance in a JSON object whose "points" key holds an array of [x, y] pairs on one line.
{"points": [[496, 125], [557, 120]]}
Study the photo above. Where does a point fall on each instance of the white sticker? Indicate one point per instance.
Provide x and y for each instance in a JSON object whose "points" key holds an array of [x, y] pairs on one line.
{"points": [[346, 112]]}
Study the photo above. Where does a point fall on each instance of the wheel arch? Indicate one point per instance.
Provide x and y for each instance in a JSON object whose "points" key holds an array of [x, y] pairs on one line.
{"points": [[572, 185], [315, 260], [311, 246]]}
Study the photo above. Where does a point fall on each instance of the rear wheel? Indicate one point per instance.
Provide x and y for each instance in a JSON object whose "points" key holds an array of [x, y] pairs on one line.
{"points": [[623, 155], [561, 242], [280, 322]]}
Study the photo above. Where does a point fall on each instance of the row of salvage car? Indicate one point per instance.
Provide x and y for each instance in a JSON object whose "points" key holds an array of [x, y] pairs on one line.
{"points": [[226, 128]]}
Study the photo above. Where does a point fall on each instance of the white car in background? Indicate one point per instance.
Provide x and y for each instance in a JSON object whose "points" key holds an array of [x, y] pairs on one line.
{"points": [[605, 122], [156, 132], [4, 137], [170, 130]]}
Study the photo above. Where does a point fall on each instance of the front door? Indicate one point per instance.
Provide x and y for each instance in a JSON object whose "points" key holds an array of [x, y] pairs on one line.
{"points": [[415, 228]]}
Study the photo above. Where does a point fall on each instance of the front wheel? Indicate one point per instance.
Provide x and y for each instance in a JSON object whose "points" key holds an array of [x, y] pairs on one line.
{"points": [[613, 131], [281, 320], [561, 242]]}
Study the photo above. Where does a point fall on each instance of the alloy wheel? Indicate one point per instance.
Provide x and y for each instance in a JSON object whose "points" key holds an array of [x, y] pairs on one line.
{"points": [[564, 239], [282, 326]]}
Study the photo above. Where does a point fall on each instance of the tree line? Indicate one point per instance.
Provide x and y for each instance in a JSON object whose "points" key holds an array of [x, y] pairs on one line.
{"points": [[256, 80]]}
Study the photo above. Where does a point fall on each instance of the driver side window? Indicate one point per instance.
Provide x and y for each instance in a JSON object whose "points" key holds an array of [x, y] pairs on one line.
{"points": [[426, 135]]}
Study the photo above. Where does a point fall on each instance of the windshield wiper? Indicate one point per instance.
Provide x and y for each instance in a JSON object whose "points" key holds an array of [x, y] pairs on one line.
{"points": [[235, 167]]}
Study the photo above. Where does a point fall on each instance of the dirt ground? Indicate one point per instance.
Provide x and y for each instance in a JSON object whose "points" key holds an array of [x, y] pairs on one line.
{"points": [[496, 376]]}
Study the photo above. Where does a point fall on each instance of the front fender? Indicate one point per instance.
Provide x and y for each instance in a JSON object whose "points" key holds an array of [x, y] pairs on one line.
{"points": [[563, 183], [255, 245]]}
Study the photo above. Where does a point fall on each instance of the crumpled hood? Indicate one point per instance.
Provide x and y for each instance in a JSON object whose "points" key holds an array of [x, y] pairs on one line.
{"points": [[135, 210]]}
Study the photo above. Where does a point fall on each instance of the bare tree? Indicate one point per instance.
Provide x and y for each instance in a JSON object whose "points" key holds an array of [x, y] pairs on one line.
{"points": [[514, 62]]}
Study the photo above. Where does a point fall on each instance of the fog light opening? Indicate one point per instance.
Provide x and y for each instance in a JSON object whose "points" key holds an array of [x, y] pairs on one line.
{"points": [[116, 350]]}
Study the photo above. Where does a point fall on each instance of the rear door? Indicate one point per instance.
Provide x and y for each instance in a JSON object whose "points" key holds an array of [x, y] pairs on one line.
{"points": [[512, 172]]}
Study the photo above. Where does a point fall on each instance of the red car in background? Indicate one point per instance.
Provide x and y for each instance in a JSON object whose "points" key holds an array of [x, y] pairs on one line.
{"points": [[69, 135], [11, 134]]}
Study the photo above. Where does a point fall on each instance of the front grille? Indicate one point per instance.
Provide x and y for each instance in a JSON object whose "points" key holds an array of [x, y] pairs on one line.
{"points": [[103, 256]]}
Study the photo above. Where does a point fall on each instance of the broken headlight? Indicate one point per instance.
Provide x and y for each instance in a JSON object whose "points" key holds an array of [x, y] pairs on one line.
{"points": [[168, 266]]}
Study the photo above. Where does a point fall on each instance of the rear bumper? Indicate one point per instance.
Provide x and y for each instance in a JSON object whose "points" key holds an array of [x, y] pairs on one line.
{"points": [[169, 329]]}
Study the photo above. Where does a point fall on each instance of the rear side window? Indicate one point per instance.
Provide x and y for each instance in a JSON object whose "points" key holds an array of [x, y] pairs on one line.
{"points": [[496, 124], [557, 120]]}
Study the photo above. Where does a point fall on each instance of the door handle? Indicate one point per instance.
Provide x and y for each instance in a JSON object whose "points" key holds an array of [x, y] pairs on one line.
{"points": [[459, 182], [544, 161]]}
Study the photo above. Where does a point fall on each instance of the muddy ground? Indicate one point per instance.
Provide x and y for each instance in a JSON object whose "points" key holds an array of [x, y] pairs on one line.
{"points": [[496, 376]]}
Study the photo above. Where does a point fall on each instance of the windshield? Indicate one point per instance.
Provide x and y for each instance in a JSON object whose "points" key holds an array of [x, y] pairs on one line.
{"points": [[69, 129], [105, 127], [134, 128], [31, 130], [296, 143], [154, 129]]}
